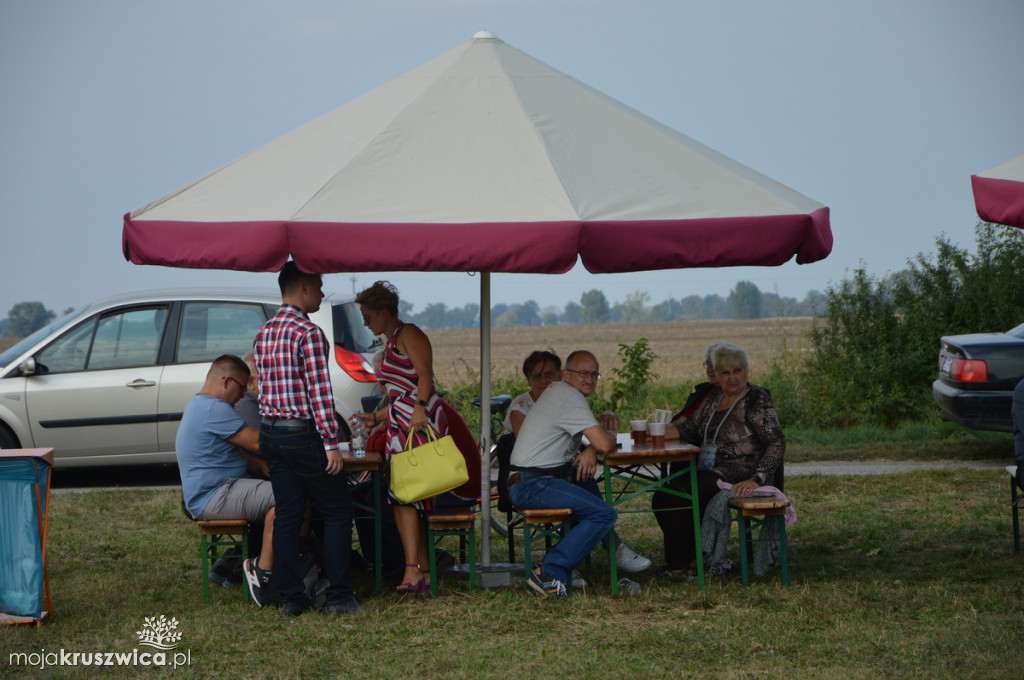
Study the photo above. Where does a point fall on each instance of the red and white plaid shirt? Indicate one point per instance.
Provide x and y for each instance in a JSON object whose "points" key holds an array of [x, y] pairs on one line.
{"points": [[292, 359]]}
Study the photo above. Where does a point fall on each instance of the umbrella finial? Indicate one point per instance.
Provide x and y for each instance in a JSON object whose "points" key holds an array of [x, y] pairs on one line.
{"points": [[484, 35]]}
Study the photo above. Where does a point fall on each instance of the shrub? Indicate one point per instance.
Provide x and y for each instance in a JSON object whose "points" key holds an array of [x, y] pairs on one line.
{"points": [[874, 355], [631, 380]]}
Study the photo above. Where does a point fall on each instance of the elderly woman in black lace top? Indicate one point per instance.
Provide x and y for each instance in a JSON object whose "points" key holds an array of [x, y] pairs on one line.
{"points": [[742, 444]]}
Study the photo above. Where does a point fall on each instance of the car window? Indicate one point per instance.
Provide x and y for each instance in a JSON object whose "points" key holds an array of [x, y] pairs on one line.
{"points": [[129, 338], [70, 350], [1017, 332], [210, 329], [117, 340], [349, 331]]}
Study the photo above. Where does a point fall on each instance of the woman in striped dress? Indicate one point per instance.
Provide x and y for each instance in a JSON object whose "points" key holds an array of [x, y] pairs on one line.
{"points": [[407, 372]]}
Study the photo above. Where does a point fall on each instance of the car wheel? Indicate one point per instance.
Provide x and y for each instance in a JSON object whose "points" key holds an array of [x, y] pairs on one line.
{"points": [[7, 438]]}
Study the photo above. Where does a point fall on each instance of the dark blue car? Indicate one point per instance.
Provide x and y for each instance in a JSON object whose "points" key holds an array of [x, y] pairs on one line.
{"points": [[977, 374]]}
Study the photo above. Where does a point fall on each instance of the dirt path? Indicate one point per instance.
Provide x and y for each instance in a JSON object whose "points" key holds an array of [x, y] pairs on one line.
{"points": [[886, 467]]}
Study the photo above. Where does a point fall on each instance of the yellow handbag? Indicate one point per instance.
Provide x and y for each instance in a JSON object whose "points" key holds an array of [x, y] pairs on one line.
{"points": [[428, 469]]}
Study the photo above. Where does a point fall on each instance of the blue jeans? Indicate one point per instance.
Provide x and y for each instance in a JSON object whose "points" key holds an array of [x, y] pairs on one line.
{"points": [[296, 458], [591, 486], [595, 519]]}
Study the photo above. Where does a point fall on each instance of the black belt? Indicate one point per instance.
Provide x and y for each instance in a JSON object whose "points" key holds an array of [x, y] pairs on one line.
{"points": [[286, 422], [521, 473]]}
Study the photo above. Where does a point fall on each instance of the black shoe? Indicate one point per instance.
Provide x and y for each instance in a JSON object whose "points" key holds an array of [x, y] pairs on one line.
{"points": [[445, 561], [680, 574], [347, 606], [227, 571], [360, 563], [546, 585], [256, 578], [295, 607]]}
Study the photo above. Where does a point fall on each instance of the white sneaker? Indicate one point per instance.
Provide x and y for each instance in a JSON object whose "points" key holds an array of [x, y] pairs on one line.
{"points": [[627, 560], [578, 582]]}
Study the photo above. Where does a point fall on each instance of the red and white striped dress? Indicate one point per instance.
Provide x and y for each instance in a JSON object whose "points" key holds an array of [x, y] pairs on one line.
{"points": [[402, 381]]}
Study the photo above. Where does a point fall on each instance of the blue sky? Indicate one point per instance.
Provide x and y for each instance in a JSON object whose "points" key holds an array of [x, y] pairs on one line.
{"points": [[879, 109]]}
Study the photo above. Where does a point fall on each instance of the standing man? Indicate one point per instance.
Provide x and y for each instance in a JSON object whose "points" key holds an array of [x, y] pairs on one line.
{"points": [[548, 460], [299, 442]]}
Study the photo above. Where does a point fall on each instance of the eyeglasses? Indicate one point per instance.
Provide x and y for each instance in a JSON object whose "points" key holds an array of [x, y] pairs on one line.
{"points": [[593, 375], [244, 388]]}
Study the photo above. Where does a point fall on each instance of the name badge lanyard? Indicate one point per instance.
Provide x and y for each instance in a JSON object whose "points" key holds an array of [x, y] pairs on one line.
{"points": [[709, 451]]}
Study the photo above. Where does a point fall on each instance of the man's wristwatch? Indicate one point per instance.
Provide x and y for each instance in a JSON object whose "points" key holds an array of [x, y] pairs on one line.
{"points": [[421, 403]]}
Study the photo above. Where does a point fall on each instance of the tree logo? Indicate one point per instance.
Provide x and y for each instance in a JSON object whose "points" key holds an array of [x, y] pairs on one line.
{"points": [[159, 632]]}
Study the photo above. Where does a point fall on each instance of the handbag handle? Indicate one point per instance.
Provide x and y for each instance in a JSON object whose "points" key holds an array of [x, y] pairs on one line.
{"points": [[431, 437]]}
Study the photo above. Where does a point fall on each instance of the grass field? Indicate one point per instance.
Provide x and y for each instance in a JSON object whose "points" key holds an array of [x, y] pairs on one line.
{"points": [[892, 576], [678, 344]]}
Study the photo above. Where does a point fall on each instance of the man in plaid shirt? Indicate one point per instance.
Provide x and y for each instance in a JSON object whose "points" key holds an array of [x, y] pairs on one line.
{"points": [[299, 442]]}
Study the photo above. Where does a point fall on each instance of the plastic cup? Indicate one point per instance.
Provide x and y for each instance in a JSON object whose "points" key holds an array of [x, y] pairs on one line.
{"points": [[662, 416], [638, 430], [657, 431]]}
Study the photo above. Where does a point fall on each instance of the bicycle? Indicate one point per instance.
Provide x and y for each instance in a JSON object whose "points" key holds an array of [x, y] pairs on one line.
{"points": [[499, 407]]}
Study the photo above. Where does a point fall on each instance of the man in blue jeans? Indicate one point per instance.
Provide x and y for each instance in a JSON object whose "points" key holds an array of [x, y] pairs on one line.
{"points": [[547, 455], [299, 442]]}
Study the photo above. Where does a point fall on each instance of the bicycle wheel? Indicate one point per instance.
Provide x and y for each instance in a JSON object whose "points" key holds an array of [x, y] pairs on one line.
{"points": [[498, 522]]}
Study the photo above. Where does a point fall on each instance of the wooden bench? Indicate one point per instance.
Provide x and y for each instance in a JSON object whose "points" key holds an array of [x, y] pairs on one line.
{"points": [[452, 522], [551, 523], [755, 512], [215, 537]]}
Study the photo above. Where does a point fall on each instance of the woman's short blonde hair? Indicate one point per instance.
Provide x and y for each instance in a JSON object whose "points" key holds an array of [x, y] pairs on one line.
{"points": [[727, 355], [381, 295]]}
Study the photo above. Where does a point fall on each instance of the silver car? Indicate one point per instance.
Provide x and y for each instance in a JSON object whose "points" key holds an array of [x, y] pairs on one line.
{"points": [[107, 384]]}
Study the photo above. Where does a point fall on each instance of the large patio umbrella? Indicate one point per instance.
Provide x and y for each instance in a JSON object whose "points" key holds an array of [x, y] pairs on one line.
{"points": [[481, 160], [999, 193]]}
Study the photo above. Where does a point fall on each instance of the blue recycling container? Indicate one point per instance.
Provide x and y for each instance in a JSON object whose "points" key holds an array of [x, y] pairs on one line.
{"points": [[24, 502]]}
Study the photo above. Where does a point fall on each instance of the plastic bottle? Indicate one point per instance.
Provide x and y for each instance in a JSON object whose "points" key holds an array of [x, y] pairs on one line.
{"points": [[357, 442], [629, 587]]}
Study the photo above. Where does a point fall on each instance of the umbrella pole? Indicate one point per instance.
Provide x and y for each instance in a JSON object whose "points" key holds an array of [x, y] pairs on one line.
{"points": [[485, 419]]}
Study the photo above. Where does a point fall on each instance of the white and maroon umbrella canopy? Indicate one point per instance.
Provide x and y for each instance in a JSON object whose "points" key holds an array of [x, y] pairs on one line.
{"points": [[483, 159], [999, 193]]}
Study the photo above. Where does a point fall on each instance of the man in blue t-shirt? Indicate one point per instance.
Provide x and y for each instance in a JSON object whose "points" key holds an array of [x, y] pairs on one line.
{"points": [[211, 448]]}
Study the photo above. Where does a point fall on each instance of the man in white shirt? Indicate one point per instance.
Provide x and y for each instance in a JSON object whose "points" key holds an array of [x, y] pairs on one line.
{"points": [[547, 457]]}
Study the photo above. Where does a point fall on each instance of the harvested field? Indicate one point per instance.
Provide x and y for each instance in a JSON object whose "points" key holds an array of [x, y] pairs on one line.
{"points": [[678, 344]]}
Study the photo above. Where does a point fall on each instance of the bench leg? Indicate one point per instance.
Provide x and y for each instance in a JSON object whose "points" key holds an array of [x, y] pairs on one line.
{"points": [[527, 551], [745, 548], [472, 557], [1015, 503], [204, 561], [212, 547], [432, 539], [783, 557]]}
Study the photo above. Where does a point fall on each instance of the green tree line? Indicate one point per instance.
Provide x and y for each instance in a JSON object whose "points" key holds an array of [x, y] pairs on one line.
{"points": [[745, 301], [25, 318]]}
